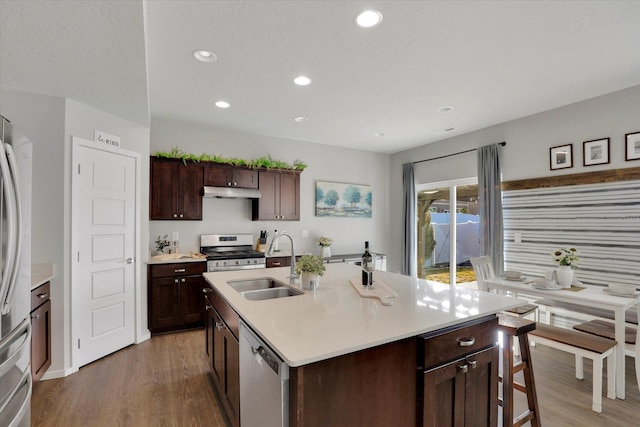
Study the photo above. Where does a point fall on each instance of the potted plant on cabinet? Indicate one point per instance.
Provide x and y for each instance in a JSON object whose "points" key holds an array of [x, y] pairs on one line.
{"points": [[325, 245], [310, 267]]}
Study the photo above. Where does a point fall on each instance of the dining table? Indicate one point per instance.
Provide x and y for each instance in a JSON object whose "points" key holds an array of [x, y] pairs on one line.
{"points": [[584, 295]]}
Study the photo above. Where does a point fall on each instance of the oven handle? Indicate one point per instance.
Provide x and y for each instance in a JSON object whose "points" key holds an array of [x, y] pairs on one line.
{"points": [[235, 267]]}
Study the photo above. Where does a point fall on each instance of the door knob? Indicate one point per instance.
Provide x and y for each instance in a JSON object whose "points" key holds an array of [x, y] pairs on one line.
{"points": [[129, 260]]}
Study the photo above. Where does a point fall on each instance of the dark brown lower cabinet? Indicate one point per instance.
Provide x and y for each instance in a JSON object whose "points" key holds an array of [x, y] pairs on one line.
{"points": [[223, 354], [40, 331], [462, 391], [175, 296]]}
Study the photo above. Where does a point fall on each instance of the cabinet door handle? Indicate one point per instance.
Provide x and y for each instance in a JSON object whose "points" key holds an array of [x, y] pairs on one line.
{"points": [[43, 295], [275, 263], [37, 316], [180, 270], [175, 215], [473, 364], [207, 290], [466, 341], [181, 216], [464, 368], [184, 280], [175, 280], [219, 326]]}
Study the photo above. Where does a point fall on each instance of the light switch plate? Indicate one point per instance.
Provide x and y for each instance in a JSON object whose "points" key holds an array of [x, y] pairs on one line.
{"points": [[518, 237]]}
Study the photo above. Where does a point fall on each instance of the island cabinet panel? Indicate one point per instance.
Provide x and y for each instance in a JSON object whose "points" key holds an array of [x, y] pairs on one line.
{"points": [[280, 197], [175, 296], [229, 176], [223, 352], [176, 190], [373, 387], [458, 375]]}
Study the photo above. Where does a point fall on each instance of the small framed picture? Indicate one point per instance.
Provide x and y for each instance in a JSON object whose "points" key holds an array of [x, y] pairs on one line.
{"points": [[632, 141], [561, 157], [595, 152]]}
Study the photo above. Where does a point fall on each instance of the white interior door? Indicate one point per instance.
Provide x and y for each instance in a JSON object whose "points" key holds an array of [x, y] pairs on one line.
{"points": [[104, 228]]}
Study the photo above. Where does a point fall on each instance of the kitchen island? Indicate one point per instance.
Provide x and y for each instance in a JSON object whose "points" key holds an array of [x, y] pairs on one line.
{"points": [[352, 360]]}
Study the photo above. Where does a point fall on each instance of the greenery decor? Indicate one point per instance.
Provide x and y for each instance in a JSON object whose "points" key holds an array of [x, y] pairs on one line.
{"points": [[162, 242], [325, 241], [262, 162], [310, 264], [568, 257]]}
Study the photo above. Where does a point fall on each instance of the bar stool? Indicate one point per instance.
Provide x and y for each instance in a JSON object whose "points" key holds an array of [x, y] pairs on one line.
{"points": [[512, 328]]}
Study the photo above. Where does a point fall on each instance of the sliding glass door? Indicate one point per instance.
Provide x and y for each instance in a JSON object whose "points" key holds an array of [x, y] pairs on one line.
{"points": [[448, 230]]}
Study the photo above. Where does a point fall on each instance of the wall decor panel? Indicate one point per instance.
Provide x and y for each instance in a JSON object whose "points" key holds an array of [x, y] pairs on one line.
{"points": [[601, 220]]}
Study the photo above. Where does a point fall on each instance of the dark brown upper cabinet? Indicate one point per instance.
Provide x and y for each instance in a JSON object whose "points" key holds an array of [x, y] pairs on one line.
{"points": [[176, 190], [229, 176], [280, 197]]}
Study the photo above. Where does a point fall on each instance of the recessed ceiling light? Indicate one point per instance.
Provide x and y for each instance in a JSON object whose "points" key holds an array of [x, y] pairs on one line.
{"points": [[222, 104], [445, 109], [302, 80], [379, 134], [204, 55], [301, 119], [445, 130], [368, 18]]}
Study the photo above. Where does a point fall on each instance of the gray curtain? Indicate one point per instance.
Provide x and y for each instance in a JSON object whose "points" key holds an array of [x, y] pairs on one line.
{"points": [[490, 205], [409, 214]]}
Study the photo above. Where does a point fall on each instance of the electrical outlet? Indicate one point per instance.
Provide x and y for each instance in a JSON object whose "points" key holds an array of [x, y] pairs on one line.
{"points": [[305, 233], [518, 237]]}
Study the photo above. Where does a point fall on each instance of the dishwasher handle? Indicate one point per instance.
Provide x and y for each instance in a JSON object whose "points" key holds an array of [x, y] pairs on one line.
{"points": [[261, 350]]}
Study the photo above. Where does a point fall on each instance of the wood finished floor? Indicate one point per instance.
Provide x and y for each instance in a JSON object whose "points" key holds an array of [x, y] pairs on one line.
{"points": [[164, 382]]}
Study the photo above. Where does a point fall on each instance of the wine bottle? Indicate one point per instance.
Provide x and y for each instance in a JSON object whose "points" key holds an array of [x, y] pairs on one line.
{"points": [[367, 264]]}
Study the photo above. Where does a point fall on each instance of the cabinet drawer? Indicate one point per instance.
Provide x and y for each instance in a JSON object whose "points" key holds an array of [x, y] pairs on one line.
{"points": [[177, 269], [40, 295], [228, 314], [273, 262], [442, 346]]}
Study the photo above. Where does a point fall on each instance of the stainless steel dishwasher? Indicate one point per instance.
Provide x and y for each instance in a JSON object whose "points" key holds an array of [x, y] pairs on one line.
{"points": [[264, 383]]}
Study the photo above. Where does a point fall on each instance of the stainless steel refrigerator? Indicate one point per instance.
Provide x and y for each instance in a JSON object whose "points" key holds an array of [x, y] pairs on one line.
{"points": [[15, 276]]}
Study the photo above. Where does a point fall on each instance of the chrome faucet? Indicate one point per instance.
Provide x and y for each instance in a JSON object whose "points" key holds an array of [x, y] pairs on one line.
{"points": [[294, 275]]}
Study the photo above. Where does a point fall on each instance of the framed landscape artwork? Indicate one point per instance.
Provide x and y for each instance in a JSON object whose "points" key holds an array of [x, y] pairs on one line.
{"points": [[632, 141], [595, 152], [343, 200], [561, 157]]}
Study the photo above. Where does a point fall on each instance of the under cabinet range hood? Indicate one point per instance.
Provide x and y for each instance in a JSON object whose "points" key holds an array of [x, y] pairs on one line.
{"points": [[231, 193]]}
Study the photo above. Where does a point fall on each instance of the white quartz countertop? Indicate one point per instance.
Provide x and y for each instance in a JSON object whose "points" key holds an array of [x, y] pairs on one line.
{"points": [[334, 320]]}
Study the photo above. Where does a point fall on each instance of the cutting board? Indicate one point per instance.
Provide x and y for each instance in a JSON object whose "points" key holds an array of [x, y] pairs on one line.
{"points": [[380, 291]]}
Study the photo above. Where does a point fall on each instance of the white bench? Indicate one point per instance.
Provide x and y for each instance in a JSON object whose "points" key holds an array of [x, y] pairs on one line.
{"points": [[581, 345]]}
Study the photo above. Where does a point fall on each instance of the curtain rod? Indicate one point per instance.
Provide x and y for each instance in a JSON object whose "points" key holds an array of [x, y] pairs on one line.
{"points": [[503, 143]]}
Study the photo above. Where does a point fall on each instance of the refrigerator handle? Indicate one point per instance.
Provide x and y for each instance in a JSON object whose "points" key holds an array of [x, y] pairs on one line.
{"points": [[13, 171], [9, 262]]}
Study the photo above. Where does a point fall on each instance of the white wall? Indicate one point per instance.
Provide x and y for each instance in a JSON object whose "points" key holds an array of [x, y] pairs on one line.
{"points": [[527, 152], [50, 122], [326, 163]]}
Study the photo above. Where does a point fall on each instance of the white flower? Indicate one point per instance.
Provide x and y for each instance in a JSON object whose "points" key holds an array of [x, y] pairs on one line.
{"points": [[566, 256], [325, 241]]}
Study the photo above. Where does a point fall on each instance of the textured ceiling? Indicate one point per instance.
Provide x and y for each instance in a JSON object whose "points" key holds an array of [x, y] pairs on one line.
{"points": [[492, 61]]}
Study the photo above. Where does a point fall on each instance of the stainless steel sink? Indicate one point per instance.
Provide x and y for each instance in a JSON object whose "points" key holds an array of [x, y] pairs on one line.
{"points": [[255, 284], [264, 294], [263, 288]]}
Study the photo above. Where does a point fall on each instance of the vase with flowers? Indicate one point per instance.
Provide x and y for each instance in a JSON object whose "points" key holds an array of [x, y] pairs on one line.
{"points": [[567, 260], [310, 268], [161, 243], [325, 246]]}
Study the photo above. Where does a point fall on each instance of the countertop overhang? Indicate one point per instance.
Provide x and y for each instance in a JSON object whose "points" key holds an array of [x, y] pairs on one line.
{"points": [[334, 320]]}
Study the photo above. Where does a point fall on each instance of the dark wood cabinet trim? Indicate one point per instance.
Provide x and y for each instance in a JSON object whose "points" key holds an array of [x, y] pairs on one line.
{"points": [[611, 175]]}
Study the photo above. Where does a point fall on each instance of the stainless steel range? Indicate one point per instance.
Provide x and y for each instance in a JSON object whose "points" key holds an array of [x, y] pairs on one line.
{"points": [[227, 252]]}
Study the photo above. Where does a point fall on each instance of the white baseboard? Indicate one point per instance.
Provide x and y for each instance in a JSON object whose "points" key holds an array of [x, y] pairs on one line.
{"points": [[51, 375]]}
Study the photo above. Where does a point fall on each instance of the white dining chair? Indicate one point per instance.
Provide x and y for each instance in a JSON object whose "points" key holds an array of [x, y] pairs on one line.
{"points": [[483, 268]]}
